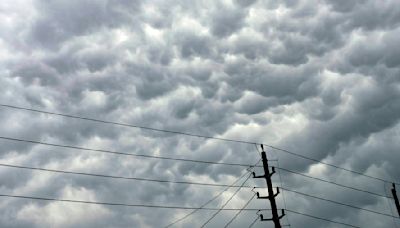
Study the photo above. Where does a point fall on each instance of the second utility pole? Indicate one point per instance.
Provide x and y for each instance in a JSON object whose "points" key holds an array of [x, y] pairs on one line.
{"points": [[271, 195], [396, 200]]}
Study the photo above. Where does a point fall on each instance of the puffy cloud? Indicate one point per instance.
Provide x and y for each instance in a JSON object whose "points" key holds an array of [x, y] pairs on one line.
{"points": [[320, 78]]}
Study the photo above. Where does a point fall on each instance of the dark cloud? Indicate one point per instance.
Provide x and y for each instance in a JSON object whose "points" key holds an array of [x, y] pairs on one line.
{"points": [[320, 78], [192, 45], [245, 2], [226, 21], [59, 21]]}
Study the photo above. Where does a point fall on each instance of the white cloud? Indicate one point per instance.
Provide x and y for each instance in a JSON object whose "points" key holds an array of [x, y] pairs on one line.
{"points": [[316, 77], [59, 214]]}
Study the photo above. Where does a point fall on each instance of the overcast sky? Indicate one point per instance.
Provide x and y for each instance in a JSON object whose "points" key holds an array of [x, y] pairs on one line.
{"points": [[320, 78]]}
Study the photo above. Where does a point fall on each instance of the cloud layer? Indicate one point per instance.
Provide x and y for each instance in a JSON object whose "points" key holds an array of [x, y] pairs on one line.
{"points": [[320, 78]]}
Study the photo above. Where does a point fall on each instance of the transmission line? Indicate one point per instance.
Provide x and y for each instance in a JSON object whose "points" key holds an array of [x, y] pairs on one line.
{"points": [[240, 211], [121, 153], [124, 204], [332, 182], [162, 206], [209, 201], [339, 203], [121, 177], [205, 204], [319, 218], [122, 124], [226, 203], [192, 135], [283, 193], [254, 221], [329, 164], [161, 181], [178, 159]]}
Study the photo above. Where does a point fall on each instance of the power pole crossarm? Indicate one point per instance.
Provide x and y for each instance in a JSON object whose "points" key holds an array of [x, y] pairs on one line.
{"points": [[281, 216], [254, 176], [268, 197], [396, 200], [263, 176]]}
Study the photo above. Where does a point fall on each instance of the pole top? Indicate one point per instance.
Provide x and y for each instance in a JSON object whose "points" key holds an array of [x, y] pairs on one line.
{"points": [[264, 155]]}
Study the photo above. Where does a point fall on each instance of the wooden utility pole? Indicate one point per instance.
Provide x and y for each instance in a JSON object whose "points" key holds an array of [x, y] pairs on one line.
{"points": [[396, 200], [271, 195]]}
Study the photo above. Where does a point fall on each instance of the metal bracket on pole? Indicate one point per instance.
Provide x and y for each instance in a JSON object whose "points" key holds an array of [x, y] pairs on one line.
{"points": [[271, 219], [268, 197]]}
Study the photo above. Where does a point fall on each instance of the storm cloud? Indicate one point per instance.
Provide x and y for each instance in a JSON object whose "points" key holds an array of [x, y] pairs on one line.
{"points": [[319, 78]]}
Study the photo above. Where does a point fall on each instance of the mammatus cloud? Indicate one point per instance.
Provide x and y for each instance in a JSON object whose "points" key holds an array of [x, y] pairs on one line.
{"points": [[320, 78]]}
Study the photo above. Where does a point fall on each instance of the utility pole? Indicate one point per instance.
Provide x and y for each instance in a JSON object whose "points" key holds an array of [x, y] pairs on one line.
{"points": [[271, 195], [396, 200]]}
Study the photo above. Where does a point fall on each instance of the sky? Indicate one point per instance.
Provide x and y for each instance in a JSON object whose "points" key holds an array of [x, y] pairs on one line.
{"points": [[320, 78]]}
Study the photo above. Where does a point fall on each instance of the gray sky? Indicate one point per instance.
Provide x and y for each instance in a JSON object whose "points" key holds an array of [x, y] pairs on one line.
{"points": [[320, 78]]}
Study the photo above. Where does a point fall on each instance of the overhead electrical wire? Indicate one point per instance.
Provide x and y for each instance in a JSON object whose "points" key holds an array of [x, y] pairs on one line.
{"points": [[122, 153], [123, 204], [339, 203], [193, 183], [245, 205], [209, 201], [327, 181], [254, 221], [283, 193], [122, 177], [186, 160], [306, 215], [122, 124], [320, 218], [205, 204], [332, 182], [163, 207], [240, 211], [183, 182], [193, 135], [329, 164], [226, 203]]}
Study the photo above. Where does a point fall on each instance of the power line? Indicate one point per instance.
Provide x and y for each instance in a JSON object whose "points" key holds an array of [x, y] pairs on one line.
{"points": [[331, 182], [191, 135], [122, 153], [161, 206], [226, 203], [123, 124], [183, 160], [182, 133], [121, 177], [208, 202], [324, 219], [240, 211], [194, 183], [283, 193], [339, 203], [246, 204], [254, 221], [328, 164], [123, 204], [205, 204]]}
